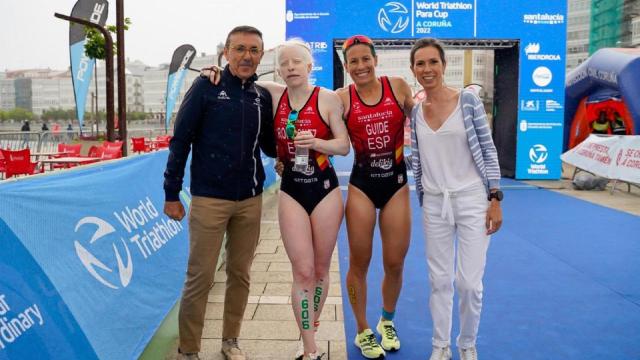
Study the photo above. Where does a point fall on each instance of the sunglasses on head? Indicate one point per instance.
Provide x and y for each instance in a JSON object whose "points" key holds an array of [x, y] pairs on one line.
{"points": [[290, 129], [354, 40]]}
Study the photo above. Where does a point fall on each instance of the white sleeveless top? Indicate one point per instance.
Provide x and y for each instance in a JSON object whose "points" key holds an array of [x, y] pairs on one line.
{"points": [[445, 157]]}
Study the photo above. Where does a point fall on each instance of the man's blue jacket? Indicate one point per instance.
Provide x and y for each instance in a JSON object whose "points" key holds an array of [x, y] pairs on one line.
{"points": [[225, 126]]}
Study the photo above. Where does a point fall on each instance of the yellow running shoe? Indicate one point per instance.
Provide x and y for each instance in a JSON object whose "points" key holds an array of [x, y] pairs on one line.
{"points": [[368, 345], [387, 331]]}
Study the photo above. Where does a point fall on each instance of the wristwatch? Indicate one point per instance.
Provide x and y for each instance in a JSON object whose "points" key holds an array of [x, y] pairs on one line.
{"points": [[498, 195]]}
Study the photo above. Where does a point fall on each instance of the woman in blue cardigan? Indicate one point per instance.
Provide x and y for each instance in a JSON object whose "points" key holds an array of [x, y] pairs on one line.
{"points": [[457, 176]]}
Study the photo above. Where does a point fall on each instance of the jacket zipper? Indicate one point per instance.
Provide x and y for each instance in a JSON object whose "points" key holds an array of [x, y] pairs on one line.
{"points": [[242, 134]]}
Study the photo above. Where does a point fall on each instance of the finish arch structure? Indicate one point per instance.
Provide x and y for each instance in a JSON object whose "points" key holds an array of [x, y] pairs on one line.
{"points": [[530, 43]]}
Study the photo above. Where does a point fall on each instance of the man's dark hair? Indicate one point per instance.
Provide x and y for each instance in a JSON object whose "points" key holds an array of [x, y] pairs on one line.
{"points": [[242, 29], [426, 42]]}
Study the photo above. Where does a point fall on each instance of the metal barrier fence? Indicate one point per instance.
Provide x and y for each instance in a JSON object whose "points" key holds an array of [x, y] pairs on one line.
{"points": [[47, 141]]}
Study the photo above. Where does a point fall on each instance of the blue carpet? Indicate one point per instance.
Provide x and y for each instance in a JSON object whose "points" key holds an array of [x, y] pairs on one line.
{"points": [[562, 282]]}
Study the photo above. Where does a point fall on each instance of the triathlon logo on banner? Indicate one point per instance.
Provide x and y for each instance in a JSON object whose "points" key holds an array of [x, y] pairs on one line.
{"points": [[82, 66], [393, 17], [538, 155], [90, 261], [180, 62], [137, 228]]}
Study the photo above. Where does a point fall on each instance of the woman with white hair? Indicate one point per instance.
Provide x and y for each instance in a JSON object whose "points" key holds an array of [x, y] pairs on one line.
{"points": [[310, 210]]}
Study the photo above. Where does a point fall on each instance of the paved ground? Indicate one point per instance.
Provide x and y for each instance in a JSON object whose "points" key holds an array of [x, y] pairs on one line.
{"points": [[269, 330]]}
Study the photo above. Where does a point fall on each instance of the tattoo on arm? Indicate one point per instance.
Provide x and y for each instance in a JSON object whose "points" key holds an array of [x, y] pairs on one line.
{"points": [[341, 110]]}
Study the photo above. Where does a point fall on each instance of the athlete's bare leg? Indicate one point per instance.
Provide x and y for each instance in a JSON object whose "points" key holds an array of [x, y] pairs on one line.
{"points": [[309, 242], [295, 228], [361, 220], [395, 230], [325, 223]]}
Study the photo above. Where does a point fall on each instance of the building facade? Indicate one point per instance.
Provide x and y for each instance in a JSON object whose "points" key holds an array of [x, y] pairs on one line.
{"points": [[7, 93]]}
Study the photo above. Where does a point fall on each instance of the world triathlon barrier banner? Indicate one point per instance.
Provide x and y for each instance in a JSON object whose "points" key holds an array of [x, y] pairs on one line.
{"points": [[538, 26], [89, 264], [613, 157]]}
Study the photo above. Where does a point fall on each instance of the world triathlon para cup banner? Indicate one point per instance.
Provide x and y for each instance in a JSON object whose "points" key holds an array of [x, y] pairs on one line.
{"points": [[90, 264], [538, 28]]}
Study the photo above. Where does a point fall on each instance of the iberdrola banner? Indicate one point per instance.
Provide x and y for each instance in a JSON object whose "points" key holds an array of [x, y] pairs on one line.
{"points": [[82, 66], [180, 62]]}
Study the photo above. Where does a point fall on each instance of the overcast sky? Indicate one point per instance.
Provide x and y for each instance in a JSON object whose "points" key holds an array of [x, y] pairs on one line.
{"points": [[31, 37]]}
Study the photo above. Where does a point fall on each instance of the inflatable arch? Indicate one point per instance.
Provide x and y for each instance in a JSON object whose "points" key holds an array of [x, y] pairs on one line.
{"points": [[606, 84]]}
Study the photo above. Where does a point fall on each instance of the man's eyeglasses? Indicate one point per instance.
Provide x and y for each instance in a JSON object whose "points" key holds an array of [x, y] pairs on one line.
{"points": [[290, 129], [241, 50], [356, 39]]}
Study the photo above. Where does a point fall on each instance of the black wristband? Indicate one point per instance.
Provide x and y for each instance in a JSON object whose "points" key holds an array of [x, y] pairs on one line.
{"points": [[498, 195]]}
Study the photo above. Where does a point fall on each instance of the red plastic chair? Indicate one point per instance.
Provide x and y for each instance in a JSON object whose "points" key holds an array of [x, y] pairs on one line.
{"points": [[140, 145], [70, 150], [18, 162], [3, 165], [95, 152], [116, 143], [162, 141], [111, 153], [73, 149]]}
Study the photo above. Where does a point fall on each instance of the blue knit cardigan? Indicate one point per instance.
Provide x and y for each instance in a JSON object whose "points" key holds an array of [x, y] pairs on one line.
{"points": [[479, 138]]}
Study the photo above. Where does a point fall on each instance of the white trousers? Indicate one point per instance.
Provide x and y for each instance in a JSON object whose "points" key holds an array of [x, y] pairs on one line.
{"points": [[464, 218]]}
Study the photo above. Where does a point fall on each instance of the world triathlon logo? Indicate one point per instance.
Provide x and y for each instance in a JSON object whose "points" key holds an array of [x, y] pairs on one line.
{"points": [[91, 262], [538, 154], [393, 17]]}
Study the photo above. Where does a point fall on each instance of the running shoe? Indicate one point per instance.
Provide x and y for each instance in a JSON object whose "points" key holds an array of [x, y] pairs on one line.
{"points": [[468, 354], [389, 337], [300, 351], [368, 345], [314, 356], [439, 353]]}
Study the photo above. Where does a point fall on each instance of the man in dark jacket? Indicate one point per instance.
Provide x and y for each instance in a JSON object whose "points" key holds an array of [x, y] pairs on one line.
{"points": [[225, 126], [25, 138]]}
